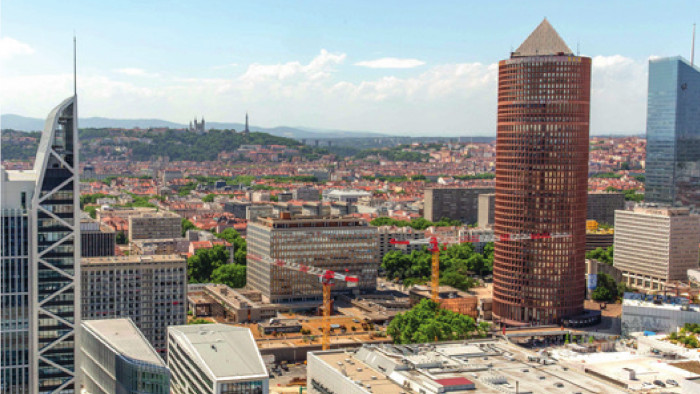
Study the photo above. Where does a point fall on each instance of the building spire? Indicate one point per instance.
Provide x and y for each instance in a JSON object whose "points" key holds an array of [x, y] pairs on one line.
{"points": [[692, 48], [75, 66], [543, 41], [246, 122]]}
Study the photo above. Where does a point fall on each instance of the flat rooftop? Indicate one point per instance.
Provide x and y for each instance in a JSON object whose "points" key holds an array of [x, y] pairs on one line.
{"points": [[493, 366], [132, 259], [228, 352], [125, 338]]}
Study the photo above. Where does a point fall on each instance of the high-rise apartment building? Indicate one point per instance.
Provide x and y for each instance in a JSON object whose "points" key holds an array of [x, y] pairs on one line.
{"points": [[601, 206], [151, 290], [346, 245], [541, 180], [157, 225], [38, 269], [673, 133], [453, 203], [656, 245], [116, 358], [96, 239]]}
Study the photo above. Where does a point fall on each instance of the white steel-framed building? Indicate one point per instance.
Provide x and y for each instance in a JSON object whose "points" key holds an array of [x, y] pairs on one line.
{"points": [[39, 263]]}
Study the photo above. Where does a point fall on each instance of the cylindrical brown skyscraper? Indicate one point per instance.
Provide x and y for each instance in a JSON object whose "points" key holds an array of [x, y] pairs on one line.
{"points": [[541, 180]]}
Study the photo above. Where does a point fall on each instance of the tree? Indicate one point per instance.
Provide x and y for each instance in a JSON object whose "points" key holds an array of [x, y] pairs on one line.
{"points": [[232, 275], [209, 197], [121, 238], [92, 211], [457, 280], [602, 255], [239, 244], [606, 288], [426, 322], [201, 266], [187, 225]]}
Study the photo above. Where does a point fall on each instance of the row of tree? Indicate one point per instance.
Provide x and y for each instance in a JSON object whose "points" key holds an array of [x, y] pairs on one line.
{"points": [[458, 264], [426, 322], [416, 223]]}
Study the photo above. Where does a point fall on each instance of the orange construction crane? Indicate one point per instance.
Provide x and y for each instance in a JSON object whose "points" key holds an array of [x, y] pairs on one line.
{"points": [[327, 279], [434, 248]]}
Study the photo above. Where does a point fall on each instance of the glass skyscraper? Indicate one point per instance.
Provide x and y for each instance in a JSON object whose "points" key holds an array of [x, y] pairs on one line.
{"points": [[40, 263], [673, 133]]}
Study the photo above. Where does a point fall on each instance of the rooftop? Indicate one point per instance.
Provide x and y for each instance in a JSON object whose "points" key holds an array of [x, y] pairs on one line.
{"points": [[543, 41], [125, 338], [132, 259], [227, 352]]}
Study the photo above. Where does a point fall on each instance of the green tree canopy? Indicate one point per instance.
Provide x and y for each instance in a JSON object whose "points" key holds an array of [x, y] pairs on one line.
{"points": [[232, 275], [201, 266], [426, 323], [240, 246], [187, 225]]}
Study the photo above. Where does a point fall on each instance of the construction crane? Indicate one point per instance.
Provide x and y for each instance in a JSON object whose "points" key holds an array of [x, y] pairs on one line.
{"points": [[327, 278], [434, 247]]}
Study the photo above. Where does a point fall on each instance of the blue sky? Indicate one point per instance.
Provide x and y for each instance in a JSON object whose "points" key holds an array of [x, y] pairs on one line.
{"points": [[399, 67]]}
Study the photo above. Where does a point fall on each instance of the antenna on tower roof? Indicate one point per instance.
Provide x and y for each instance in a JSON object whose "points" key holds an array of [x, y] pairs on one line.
{"points": [[75, 66], [692, 48]]}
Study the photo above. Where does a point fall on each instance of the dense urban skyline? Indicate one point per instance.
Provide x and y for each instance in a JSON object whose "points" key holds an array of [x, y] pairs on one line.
{"points": [[352, 67]]}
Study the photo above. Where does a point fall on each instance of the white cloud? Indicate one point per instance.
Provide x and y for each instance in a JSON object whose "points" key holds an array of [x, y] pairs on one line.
{"points": [[447, 98], [391, 62], [135, 72], [9, 47], [618, 95]]}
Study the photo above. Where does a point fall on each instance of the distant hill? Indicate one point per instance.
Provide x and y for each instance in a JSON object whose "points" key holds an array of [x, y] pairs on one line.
{"points": [[22, 123]]}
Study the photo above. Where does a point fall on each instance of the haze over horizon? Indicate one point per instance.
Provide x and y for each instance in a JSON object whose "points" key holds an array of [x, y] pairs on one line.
{"points": [[355, 66]]}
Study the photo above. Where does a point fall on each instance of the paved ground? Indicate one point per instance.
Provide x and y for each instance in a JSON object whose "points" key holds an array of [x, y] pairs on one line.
{"points": [[281, 380]]}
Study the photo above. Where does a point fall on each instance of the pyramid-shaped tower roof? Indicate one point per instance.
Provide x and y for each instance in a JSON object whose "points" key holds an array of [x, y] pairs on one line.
{"points": [[543, 41]]}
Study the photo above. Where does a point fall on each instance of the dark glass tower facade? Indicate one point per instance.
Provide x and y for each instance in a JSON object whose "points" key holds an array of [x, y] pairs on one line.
{"points": [[673, 133], [541, 180]]}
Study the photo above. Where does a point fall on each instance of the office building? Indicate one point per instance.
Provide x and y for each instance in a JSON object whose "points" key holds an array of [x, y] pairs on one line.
{"points": [[96, 239], [602, 206], [673, 133], [215, 359], [481, 367], [157, 225], [151, 290], [541, 180], [40, 245], [306, 194], [387, 233], [654, 246], [116, 358], [237, 208], [453, 203], [487, 209], [346, 245]]}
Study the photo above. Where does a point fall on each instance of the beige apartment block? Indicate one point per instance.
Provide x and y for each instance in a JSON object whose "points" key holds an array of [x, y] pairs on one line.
{"points": [[156, 225], [654, 246]]}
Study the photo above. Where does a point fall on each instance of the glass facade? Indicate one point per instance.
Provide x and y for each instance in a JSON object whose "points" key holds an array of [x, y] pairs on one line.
{"points": [[673, 133], [14, 302]]}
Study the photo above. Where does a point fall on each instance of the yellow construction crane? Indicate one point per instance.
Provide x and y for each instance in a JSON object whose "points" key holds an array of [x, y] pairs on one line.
{"points": [[327, 279], [434, 248]]}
